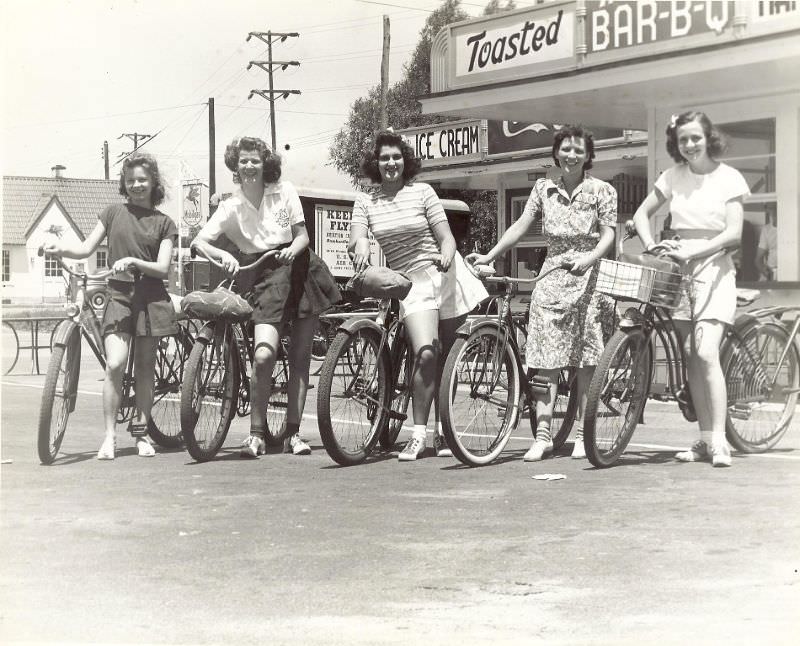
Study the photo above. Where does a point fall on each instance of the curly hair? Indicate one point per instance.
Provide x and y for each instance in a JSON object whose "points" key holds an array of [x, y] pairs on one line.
{"points": [[150, 165], [715, 142], [369, 163], [270, 160], [568, 132]]}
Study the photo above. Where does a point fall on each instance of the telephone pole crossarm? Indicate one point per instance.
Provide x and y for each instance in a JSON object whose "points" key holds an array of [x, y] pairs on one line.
{"points": [[270, 95], [268, 65], [269, 37]]}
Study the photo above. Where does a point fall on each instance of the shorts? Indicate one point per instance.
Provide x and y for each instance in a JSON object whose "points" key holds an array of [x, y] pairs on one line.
{"points": [[454, 293], [140, 308], [282, 293], [713, 289]]}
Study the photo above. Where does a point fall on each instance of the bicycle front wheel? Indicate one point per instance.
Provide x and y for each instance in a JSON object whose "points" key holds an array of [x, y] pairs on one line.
{"points": [[762, 391], [616, 397], [353, 396], [208, 395], [172, 354], [479, 396], [58, 396], [400, 387]]}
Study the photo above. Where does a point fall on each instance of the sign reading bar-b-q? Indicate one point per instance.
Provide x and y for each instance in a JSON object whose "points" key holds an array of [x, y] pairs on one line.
{"points": [[456, 141]]}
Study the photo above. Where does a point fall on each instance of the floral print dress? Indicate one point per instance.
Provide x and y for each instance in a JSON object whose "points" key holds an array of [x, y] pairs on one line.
{"points": [[569, 322]]}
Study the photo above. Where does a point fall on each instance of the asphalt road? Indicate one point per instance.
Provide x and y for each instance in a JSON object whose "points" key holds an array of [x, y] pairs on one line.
{"points": [[296, 550]]}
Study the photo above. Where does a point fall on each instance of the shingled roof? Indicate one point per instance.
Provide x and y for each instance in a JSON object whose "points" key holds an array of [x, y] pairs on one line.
{"points": [[25, 197]]}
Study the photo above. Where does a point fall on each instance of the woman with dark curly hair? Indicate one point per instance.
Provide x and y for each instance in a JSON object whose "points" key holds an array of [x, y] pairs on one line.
{"points": [[409, 223], [569, 321], [706, 202], [140, 242], [264, 214]]}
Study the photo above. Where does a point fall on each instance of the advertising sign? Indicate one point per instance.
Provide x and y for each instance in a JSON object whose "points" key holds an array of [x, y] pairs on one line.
{"points": [[506, 137], [333, 236], [520, 39], [446, 143], [629, 23], [193, 205]]}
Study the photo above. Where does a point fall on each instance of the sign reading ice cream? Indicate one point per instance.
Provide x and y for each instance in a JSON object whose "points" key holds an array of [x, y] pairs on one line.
{"points": [[529, 38]]}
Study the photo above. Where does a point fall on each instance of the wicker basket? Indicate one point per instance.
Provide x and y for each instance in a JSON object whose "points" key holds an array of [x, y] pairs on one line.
{"points": [[626, 281]]}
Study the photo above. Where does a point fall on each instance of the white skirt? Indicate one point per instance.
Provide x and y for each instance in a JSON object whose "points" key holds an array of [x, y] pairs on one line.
{"points": [[713, 288]]}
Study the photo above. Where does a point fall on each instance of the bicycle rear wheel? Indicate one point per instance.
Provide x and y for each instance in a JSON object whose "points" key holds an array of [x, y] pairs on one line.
{"points": [[165, 418], [616, 397], [58, 396], [400, 385], [761, 397], [353, 396], [209, 392], [479, 396]]}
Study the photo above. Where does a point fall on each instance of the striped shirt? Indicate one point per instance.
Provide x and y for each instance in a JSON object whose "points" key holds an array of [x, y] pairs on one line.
{"points": [[403, 224]]}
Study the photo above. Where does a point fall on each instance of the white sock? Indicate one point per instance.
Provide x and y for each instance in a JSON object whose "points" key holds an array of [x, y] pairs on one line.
{"points": [[419, 431], [718, 439], [707, 437]]}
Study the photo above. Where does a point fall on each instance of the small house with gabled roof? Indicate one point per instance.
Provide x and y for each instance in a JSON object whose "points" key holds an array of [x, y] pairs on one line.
{"points": [[34, 210]]}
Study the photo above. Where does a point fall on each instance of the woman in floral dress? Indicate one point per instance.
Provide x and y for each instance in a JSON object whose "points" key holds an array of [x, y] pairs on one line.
{"points": [[569, 321]]}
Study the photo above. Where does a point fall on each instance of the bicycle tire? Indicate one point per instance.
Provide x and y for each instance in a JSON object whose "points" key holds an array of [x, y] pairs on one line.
{"points": [[402, 368], [353, 395], [164, 427], [58, 397], [208, 394], [275, 430], [758, 413], [478, 389], [617, 393]]}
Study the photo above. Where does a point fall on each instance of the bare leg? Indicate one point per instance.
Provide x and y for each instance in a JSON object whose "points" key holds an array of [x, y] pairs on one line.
{"points": [[145, 373], [299, 361], [543, 444], [117, 346], [266, 339], [447, 336], [423, 333]]}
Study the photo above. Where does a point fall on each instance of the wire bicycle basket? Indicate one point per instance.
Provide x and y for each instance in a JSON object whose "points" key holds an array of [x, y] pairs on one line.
{"points": [[628, 281]]}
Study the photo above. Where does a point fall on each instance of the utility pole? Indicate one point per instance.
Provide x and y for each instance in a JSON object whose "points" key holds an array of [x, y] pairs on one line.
{"points": [[212, 166], [385, 74], [135, 137], [268, 66], [105, 158]]}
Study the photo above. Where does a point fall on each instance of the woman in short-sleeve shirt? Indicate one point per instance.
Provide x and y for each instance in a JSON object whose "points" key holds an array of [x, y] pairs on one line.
{"points": [[705, 199], [264, 214]]}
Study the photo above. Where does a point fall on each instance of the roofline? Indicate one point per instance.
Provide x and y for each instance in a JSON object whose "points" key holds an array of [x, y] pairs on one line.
{"points": [[60, 179], [64, 212]]}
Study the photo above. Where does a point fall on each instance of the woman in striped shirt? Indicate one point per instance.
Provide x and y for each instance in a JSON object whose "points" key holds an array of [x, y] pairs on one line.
{"points": [[409, 223]]}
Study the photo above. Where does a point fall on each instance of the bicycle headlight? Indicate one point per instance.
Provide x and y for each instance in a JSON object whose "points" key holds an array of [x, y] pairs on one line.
{"points": [[71, 309]]}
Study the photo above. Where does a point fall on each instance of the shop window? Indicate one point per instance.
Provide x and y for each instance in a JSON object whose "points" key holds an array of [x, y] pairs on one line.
{"points": [[100, 259], [529, 254], [51, 268], [751, 150], [6, 265]]}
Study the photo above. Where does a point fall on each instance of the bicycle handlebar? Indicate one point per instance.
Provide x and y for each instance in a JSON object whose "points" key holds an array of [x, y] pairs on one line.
{"points": [[486, 273], [102, 275], [267, 255]]}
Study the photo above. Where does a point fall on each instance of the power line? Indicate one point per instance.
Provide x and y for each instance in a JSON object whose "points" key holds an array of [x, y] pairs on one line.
{"points": [[107, 116]]}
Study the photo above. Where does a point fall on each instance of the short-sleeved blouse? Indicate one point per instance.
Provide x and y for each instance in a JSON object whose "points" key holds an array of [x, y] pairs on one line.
{"points": [[255, 230], [403, 224], [698, 201]]}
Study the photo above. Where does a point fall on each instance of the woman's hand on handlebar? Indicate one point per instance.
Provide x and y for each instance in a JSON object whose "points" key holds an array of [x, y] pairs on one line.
{"points": [[52, 248], [475, 258], [361, 254], [228, 262], [286, 255], [123, 265], [580, 265]]}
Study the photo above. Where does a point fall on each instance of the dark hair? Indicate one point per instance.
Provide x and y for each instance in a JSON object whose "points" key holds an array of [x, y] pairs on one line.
{"points": [[569, 131], [715, 143], [369, 163], [270, 160], [149, 163]]}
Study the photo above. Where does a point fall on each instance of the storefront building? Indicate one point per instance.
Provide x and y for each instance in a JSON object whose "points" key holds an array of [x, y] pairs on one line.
{"points": [[628, 67]]}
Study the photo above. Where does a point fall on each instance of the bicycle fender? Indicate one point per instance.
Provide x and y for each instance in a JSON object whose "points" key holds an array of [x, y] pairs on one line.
{"points": [[470, 326], [354, 324], [631, 318], [206, 333], [64, 332]]}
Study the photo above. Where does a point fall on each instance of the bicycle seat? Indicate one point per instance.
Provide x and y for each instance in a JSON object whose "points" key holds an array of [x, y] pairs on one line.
{"points": [[745, 297]]}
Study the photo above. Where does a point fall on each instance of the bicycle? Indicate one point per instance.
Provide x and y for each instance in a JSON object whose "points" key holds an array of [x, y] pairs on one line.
{"points": [[217, 382], [61, 382], [485, 391], [364, 385], [622, 380]]}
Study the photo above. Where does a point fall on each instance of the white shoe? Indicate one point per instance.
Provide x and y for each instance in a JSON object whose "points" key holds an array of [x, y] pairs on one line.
{"points": [[412, 450], [440, 446], [296, 445], [538, 450], [107, 449], [721, 456], [144, 447], [578, 450], [252, 447], [697, 453]]}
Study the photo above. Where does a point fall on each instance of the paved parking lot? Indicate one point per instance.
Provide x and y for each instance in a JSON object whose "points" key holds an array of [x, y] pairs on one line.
{"points": [[288, 550]]}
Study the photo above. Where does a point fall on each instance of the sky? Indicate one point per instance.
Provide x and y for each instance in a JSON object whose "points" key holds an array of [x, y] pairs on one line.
{"points": [[76, 73]]}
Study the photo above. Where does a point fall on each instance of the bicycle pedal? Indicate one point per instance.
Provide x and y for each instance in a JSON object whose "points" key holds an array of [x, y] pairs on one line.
{"points": [[395, 415], [540, 385]]}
